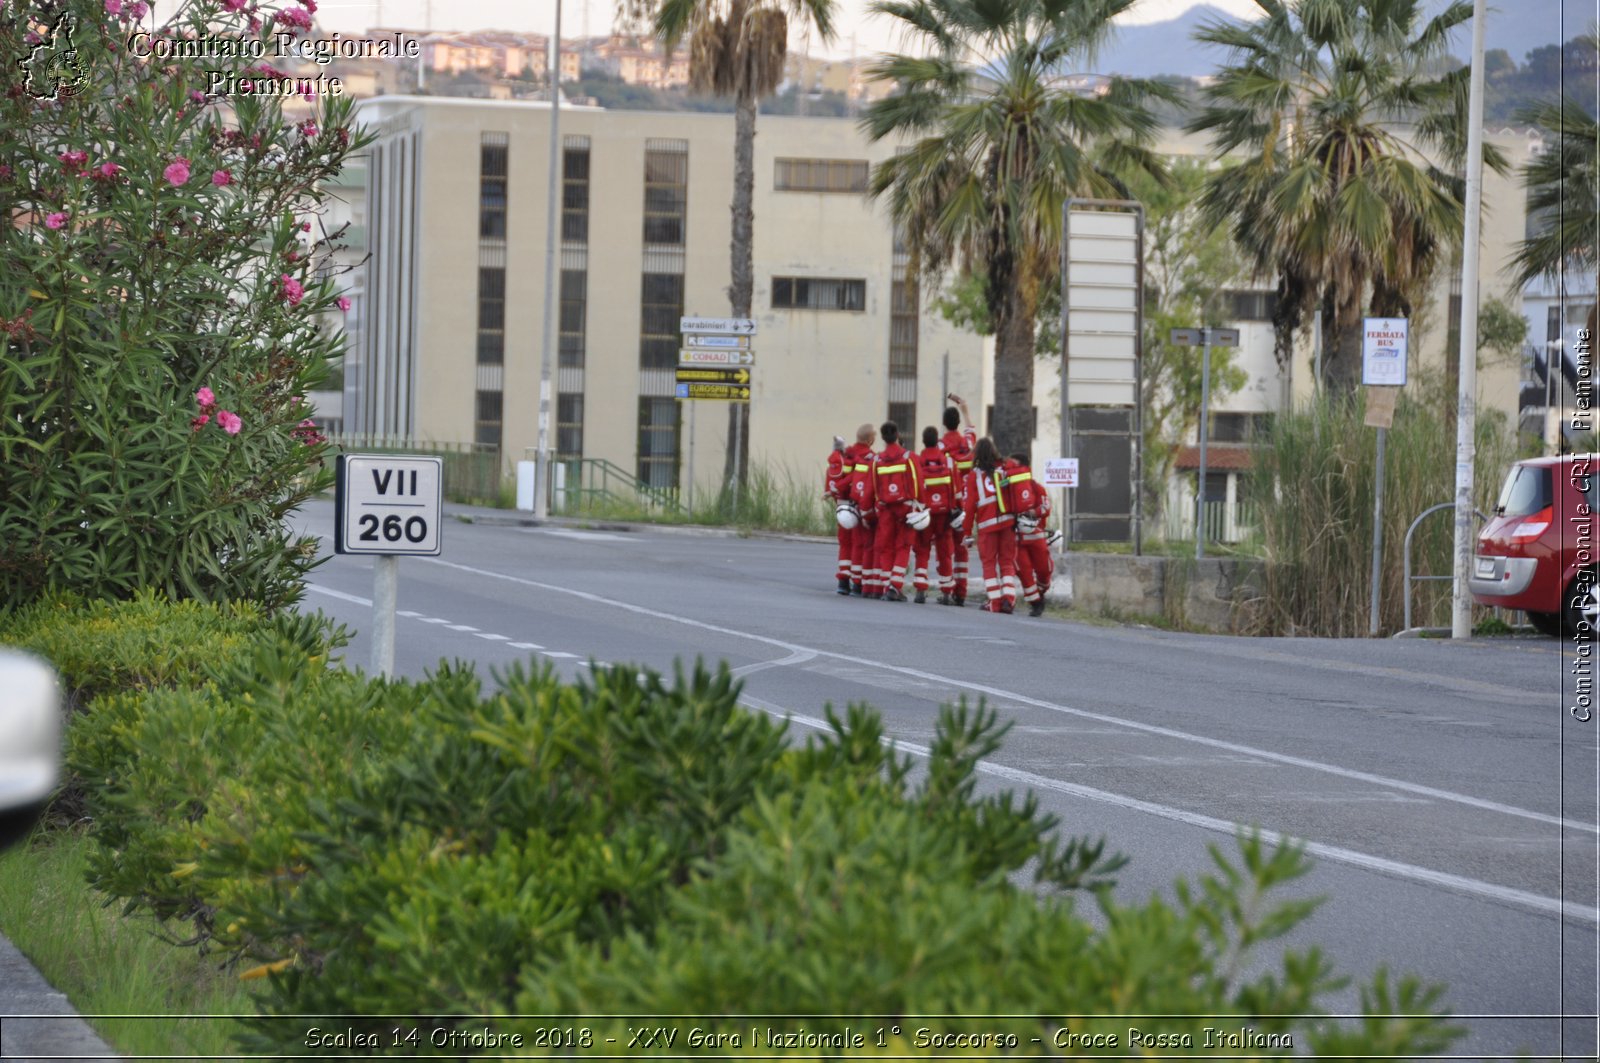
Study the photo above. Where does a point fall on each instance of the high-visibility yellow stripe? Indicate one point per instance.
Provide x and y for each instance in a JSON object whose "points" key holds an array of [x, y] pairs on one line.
{"points": [[886, 469], [937, 480], [1019, 478], [999, 490], [862, 468], [964, 466]]}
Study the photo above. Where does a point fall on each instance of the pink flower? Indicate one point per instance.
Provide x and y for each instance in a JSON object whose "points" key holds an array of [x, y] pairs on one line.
{"points": [[305, 226], [292, 256], [32, 38], [235, 5], [205, 398], [298, 17], [177, 171], [71, 160], [197, 423], [308, 128], [113, 7], [107, 171], [197, 96], [137, 11], [55, 221], [5, 171], [291, 290], [230, 422], [221, 177], [344, 302]]}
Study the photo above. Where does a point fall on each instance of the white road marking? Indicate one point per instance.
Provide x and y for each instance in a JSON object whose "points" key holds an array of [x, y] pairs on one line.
{"points": [[407, 613], [998, 694], [494, 638], [341, 595], [800, 657], [434, 620], [1367, 862], [558, 653], [462, 627], [525, 645], [582, 536]]}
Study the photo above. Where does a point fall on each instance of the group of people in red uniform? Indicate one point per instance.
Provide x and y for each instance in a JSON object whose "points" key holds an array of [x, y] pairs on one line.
{"points": [[896, 509]]}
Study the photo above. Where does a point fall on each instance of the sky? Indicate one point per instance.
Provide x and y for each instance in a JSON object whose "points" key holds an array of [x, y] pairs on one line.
{"points": [[858, 29]]}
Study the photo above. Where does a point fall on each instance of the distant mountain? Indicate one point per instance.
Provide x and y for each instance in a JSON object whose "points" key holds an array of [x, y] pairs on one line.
{"points": [[1169, 47]]}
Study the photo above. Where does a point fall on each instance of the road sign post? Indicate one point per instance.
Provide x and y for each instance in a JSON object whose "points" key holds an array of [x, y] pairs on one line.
{"points": [[388, 506], [1385, 350], [1206, 338], [709, 342]]}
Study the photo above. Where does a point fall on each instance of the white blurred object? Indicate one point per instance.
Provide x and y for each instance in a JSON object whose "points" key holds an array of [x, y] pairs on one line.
{"points": [[848, 515], [1027, 523], [919, 519], [30, 730], [957, 519]]}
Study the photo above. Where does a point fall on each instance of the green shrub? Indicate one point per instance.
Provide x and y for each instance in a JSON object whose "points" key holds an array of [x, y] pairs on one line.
{"points": [[164, 265], [627, 845]]}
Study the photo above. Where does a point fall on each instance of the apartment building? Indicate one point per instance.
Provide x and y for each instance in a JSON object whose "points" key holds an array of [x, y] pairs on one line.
{"points": [[450, 342]]}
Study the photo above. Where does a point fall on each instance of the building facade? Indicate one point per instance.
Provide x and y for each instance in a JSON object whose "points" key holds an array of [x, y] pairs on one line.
{"points": [[450, 341]]}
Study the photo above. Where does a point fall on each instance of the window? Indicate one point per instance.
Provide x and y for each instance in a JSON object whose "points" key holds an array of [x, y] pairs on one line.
{"points": [[658, 442], [491, 315], [903, 330], [1239, 427], [487, 429], [1251, 306], [660, 308], [569, 427], [666, 196], [493, 157], [904, 416], [575, 196], [821, 175], [816, 293], [574, 303]]}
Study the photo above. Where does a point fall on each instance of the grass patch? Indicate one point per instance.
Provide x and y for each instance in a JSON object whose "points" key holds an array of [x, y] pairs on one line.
{"points": [[111, 965]]}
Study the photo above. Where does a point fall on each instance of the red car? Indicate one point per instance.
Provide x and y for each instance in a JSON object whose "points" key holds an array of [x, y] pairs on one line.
{"points": [[1537, 553]]}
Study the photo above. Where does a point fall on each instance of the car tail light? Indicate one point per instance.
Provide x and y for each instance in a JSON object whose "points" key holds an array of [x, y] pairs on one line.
{"points": [[1533, 526]]}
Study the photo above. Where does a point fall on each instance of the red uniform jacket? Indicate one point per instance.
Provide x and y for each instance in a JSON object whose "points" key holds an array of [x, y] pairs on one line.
{"points": [[859, 456], [835, 482], [959, 446], [985, 502]]}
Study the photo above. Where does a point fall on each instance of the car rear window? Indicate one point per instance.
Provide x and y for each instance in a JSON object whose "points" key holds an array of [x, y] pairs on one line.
{"points": [[1526, 491]]}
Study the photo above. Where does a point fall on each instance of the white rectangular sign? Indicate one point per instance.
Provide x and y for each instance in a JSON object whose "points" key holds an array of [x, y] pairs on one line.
{"points": [[695, 356], [1384, 344], [388, 504], [720, 342], [1061, 472], [1102, 296], [738, 326]]}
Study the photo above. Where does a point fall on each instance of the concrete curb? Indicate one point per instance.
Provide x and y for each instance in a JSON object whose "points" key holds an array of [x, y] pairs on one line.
{"points": [[52, 1028]]}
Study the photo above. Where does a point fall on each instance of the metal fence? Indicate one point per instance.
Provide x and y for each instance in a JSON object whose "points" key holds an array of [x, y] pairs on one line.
{"points": [[473, 472], [1220, 526]]}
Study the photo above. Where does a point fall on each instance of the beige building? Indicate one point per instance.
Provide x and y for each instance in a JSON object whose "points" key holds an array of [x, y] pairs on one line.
{"points": [[448, 341]]}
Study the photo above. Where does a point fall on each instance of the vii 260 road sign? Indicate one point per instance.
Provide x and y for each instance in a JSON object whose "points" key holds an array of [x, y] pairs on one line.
{"points": [[387, 504]]}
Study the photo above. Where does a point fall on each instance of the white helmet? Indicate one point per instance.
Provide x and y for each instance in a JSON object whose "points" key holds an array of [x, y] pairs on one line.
{"points": [[919, 519], [848, 515], [958, 518], [1026, 522]]}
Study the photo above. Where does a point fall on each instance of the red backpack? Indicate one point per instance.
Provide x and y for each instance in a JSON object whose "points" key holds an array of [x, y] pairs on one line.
{"points": [[1023, 492], [937, 488]]}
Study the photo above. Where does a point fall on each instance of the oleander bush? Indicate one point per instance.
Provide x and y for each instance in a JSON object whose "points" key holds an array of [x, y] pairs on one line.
{"points": [[161, 302], [629, 844]]}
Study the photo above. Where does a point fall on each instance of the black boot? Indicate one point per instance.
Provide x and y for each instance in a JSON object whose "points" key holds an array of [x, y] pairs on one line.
{"points": [[1037, 608], [844, 585], [944, 599], [922, 596]]}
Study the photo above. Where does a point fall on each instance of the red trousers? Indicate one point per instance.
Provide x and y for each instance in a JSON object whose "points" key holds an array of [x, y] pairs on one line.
{"points": [[864, 556], [997, 550], [934, 538], [1034, 567], [894, 541], [958, 575], [847, 538]]}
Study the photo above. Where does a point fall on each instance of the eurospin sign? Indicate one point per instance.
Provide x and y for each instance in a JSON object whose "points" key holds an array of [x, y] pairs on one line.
{"points": [[1385, 342]]}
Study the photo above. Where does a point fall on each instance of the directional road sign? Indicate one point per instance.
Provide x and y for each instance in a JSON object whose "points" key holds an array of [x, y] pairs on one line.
{"points": [[735, 326], [713, 376], [387, 504], [724, 392], [1195, 337], [694, 356], [740, 342]]}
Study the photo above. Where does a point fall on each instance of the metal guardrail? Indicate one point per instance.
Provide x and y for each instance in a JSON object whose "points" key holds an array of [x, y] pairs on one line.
{"points": [[473, 472], [587, 483], [1406, 555], [1215, 520]]}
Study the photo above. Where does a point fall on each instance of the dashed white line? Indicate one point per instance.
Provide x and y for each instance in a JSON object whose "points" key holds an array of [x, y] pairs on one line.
{"points": [[493, 637], [434, 620], [525, 645], [462, 627], [407, 613], [558, 653]]}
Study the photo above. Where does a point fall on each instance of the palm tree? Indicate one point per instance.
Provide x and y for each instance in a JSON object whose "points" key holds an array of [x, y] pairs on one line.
{"points": [[993, 144], [737, 49], [1335, 109], [1563, 190]]}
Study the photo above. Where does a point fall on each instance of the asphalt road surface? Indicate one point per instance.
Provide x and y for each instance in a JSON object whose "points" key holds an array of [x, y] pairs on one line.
{"points": [[1446, 793]]}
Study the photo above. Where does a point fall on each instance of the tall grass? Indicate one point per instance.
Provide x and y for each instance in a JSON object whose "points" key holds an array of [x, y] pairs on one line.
{"points": [[111, 965], [774, 499], [1314, 491]]}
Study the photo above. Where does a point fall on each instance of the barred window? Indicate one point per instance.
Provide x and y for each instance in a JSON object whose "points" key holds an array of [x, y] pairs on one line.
{"points": [[486, 429], [575, 196], [491, 315], [493, 161], [904, 415], [816, 293], [661, 307], [569, 427], [821, 175], [666, 196], [574, 308], [658, 442], [903, 323], [1252, 306]]}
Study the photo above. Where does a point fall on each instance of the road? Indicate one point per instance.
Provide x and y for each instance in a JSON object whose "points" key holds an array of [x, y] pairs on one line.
{"points": [[1446, 794]]}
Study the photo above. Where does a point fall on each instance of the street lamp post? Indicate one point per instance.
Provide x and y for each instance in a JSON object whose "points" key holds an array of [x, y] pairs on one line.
{"points": [[1467, 396], [541, 483]]}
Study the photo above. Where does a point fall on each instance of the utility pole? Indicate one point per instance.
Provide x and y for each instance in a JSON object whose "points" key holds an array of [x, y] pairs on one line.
{"points": [[541, 482], [1467, 396]]}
